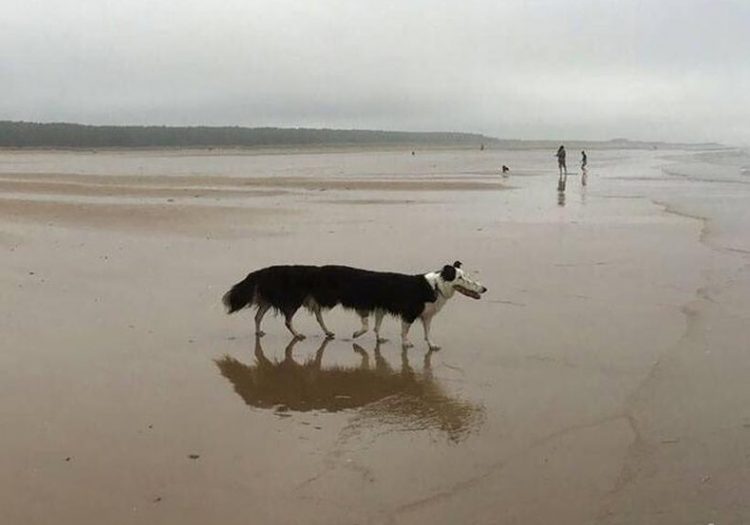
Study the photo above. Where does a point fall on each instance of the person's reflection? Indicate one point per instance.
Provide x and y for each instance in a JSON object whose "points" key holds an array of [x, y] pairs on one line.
{"points": [[561, 184]]}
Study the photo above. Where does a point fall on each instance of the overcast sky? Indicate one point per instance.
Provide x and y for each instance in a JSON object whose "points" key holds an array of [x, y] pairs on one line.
{"points": [[662, 70]]}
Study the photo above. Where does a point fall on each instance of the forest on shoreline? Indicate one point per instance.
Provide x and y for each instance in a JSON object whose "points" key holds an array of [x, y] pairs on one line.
{"points": [[65, 135], [36, 135]]}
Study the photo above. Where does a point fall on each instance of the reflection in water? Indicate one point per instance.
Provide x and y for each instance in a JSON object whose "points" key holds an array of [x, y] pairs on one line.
{"points": [[584, 176], [405, 399], [561, 183]]}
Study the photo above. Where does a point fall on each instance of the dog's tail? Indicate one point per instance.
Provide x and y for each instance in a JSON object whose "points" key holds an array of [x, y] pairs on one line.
{"points": [[241, 294]]}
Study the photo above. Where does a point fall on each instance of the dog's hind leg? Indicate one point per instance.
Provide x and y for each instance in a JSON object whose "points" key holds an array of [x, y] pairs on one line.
{"points": [[364, 316], [322, 323], [262, 309], [405, 343], [288, 322], [379, 314]]}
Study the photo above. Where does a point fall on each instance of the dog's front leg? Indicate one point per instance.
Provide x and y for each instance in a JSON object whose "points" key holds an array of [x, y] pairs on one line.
{"points": [[426, 322], [379, 314], [405, 343]]}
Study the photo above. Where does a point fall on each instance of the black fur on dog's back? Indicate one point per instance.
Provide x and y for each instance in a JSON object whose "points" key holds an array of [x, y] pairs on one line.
{"points": [[283, 287], [365, 290], [287, 288]]}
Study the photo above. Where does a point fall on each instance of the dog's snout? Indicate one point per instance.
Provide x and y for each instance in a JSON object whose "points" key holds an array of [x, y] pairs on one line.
{"points": [[484, 289]]}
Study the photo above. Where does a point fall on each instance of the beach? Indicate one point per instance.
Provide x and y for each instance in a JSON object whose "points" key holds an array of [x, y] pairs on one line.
{"points": [[601, 379]]}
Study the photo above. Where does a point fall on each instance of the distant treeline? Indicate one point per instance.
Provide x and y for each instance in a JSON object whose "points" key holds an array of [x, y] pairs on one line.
{"points": [[64, 135]]}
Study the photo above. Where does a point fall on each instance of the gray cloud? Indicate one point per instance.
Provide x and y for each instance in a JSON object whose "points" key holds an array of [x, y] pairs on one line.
{"points": [[673, 70]]}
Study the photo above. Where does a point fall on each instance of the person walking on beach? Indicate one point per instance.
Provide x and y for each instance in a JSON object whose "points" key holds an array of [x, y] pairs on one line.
{"points": [[584, 162], [561, 160], [561, 164]]}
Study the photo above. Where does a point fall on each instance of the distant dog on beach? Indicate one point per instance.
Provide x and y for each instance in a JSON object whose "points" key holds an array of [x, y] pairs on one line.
{"points": [[318, 288]]}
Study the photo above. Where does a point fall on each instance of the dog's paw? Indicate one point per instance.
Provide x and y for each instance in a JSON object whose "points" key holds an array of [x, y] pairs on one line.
{"points": [[382, 339], [300, 336], [330, 335], [433, 347], [358, 333], [260, 333], [407, 344]]}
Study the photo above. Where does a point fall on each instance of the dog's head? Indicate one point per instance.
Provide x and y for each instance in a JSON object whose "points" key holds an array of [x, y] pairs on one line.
{"points": [[453, 279]]}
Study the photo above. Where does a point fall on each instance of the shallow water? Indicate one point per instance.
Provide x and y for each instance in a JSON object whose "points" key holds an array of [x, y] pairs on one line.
{"points": [[602, 379]]}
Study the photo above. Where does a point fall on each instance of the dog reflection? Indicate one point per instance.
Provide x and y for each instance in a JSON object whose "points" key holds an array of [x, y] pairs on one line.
{"points": [[382, 395]]}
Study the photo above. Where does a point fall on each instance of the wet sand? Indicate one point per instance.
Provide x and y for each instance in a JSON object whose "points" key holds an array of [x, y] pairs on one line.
{"points": [[602, 379]]}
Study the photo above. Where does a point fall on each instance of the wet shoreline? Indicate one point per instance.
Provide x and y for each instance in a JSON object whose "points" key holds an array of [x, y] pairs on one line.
{"points": [[600, 381]]}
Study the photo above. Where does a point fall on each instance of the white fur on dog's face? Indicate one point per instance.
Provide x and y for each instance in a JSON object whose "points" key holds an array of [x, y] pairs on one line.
{"points": [[461, 283], [466, 286]]}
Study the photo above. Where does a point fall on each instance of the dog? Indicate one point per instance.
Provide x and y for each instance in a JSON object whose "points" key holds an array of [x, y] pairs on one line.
{"points": [[318, 288]]}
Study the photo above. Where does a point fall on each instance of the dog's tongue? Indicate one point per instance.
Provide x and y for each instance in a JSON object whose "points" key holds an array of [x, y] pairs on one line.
{"points": [[468, 293]]}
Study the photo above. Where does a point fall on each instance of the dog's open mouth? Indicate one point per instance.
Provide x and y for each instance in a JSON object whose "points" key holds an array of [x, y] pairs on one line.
{"points": [[467, 292]]}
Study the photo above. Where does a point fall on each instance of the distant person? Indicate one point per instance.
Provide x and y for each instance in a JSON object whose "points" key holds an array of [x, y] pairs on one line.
{"points": [[561, 160], [506, 170]]}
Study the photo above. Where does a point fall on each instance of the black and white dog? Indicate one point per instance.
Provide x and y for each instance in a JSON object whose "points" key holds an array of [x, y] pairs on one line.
{"points": [[287, 288]]}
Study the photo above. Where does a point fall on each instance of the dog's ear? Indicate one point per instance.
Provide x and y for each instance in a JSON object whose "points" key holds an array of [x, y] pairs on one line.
{"points": [[448, 273], [457, 264]]}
